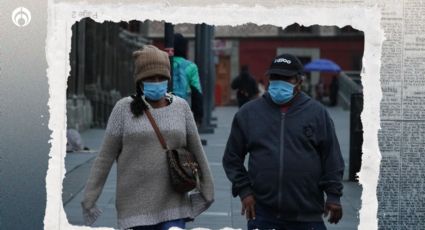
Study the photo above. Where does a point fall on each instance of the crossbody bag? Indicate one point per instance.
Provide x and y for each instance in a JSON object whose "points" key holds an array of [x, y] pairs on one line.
{"points": [[183, 168]]}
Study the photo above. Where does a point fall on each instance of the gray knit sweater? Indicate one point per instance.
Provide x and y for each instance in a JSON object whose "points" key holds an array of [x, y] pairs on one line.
{"points": [[144, 195]]}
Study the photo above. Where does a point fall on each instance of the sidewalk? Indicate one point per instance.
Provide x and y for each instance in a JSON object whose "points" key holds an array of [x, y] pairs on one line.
{"points": [[225, 211]]}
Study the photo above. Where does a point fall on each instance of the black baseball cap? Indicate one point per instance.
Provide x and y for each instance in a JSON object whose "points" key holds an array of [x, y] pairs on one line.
{"points": [[286, 65]]}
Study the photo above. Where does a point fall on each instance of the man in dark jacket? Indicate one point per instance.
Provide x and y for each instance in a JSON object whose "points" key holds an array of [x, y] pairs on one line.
{"points": [[245, 85], [294, 155]]}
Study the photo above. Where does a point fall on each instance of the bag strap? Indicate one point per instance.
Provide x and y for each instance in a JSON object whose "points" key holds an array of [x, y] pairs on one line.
{"points": [[155, 127]]}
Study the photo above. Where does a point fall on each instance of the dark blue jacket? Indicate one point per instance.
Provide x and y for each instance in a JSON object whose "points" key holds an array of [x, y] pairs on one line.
{"points": [[294, 157]]}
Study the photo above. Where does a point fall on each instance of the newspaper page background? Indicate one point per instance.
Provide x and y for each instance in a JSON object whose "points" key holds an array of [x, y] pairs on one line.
{"points": [[401, 181], [401, 139]]}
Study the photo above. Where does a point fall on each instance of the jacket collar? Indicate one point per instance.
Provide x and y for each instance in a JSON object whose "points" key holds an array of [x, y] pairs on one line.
{"points": [[297, 102]]}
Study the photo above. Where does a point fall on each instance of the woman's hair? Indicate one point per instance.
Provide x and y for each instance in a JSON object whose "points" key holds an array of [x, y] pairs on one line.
{"points": [[180, 46], [138, 105]]}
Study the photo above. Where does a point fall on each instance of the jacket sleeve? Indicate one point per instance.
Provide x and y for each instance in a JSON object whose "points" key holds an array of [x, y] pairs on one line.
{"points": [[197, 104], [332, 163], [194, 146], [193, 77], [111, 146], [233, 160]]}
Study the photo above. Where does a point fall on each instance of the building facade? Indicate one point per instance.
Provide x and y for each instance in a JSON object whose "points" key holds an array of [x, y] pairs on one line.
{"points": [[102, 65], [255, 46]]}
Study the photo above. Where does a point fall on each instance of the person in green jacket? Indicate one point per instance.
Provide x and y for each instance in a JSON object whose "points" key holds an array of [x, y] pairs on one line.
{"points": [[186, 83]]}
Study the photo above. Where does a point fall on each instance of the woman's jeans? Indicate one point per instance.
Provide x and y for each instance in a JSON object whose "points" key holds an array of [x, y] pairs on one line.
{"points": [[181, 223], [266, 221]]}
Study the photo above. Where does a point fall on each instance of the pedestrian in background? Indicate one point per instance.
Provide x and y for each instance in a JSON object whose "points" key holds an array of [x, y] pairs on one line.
{"points": [[245, 85], [74, 142], [320, 90], [186, 82], [334, 88], [294, 156], [145, 198]]}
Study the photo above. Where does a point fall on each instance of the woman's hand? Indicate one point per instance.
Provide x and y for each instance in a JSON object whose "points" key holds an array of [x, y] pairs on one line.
{"points": [[91, 215]]}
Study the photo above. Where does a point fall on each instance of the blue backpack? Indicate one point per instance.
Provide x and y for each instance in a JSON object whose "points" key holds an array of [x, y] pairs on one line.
{"points": [[180, 84]]}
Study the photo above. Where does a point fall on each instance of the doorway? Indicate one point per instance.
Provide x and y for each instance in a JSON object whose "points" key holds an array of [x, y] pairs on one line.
{"points": [[222, 84]]}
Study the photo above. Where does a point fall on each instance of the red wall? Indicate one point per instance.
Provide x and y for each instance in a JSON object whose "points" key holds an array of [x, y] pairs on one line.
{"points": [[258, 53]]}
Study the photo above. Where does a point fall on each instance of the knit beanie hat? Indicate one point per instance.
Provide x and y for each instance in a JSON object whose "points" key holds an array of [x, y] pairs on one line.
{"points": [[150, 61]]}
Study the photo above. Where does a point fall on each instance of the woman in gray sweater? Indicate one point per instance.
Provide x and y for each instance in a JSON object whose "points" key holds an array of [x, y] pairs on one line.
{"points": [[145, 198]]}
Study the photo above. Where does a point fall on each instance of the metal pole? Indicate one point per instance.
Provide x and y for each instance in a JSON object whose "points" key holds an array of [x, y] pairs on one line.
{"points": [[73, 80], [198, 47], [201, 59], [211, 77], [206, 76], [169, 48], [213, 73], [356, 135]]}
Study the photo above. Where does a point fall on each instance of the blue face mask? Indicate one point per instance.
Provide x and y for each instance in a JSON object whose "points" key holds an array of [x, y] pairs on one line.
{"points": [[155, 90], [281, 91]]}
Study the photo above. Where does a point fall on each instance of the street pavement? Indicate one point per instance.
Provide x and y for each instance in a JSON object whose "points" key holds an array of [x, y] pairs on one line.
{"points": [[225, 211]]}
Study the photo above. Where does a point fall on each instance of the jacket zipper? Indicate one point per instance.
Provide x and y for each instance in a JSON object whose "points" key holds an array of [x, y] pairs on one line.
{"points": [[282, 127]]}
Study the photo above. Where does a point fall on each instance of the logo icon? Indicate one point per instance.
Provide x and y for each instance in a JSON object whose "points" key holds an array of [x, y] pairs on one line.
{"points": [[21, 16]]}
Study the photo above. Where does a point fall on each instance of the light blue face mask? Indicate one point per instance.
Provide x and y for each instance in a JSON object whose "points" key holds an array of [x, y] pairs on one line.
{"points": [[154, 91], [281, 91]]}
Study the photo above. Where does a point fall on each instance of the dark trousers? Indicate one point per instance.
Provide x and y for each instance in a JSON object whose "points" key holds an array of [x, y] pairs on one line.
{"points": [[267, 221], [163, 226]]}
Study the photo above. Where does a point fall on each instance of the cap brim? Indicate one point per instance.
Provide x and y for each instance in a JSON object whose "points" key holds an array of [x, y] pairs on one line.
{"points": [[282, 72]]}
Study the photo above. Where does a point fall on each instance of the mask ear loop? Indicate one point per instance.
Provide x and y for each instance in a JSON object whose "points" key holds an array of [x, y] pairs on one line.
{"points": [[141, 94], [297, 87]]}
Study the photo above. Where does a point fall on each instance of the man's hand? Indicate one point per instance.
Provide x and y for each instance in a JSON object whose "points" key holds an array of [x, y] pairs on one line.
{"points": [[335, 211], [248, 207]]}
